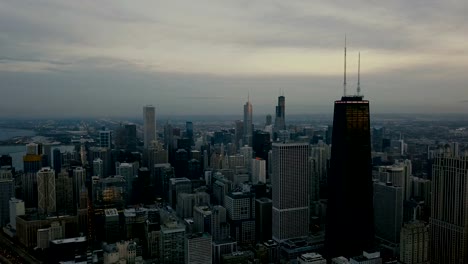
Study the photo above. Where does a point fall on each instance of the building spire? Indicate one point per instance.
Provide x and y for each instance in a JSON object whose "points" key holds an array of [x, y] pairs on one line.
{"points": [[248, 96], [344, 81], [359, 75]]}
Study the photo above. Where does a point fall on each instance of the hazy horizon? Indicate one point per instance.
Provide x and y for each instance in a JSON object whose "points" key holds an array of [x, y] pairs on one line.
{"points": [[64, 59]]}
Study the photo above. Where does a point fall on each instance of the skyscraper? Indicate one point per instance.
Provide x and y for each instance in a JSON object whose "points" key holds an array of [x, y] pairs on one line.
{"points": [[46, 191], [6, 192], [189, 131], [350, 225], [280, 123], [248, 129], [105, 139], [449, 213], [149, 125], [388, 209], [290, 190]]}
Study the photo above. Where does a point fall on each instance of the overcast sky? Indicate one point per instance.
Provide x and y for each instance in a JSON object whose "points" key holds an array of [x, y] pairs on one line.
{"points": [[109, 58]]}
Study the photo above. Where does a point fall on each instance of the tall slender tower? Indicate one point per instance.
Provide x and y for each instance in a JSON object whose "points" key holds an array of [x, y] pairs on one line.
{"points": [[449, 212], [248, 129], [350, 217], [290, 190], [149, 125], [280, 123]]}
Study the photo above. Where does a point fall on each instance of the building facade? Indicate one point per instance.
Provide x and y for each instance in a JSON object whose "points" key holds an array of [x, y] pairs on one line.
{"points": [[290, 191]]}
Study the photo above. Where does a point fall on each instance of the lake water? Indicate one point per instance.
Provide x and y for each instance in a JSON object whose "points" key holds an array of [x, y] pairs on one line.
{"points": [[8, 133]]}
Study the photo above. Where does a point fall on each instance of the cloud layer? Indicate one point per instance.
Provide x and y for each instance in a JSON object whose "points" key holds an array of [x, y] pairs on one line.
{"points": [[104, 58]]}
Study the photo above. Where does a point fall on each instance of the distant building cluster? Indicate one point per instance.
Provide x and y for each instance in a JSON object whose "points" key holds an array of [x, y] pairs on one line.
{"points": [[267, 192]]}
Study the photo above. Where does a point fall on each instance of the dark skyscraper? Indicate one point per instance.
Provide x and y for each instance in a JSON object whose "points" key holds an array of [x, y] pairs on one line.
{"points": [[248, 129], [189, 131], [280, 123], [350, 225]]}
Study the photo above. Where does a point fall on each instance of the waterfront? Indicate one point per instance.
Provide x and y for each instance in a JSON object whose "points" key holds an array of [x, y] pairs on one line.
{"points": [[9, 133], [18, 151]]}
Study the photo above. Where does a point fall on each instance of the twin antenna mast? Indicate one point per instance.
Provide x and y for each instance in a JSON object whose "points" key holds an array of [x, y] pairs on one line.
{"points": [[359, 73]]}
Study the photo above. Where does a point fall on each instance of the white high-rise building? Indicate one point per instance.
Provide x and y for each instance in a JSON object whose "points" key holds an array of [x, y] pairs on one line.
{"points": [[290, 190], [258, 171], [46, 191], [149, 125], [16, 209], [449, 211]]}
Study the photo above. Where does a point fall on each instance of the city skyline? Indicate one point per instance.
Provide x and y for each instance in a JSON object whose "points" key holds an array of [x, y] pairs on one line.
{"points": [[180, 57]]}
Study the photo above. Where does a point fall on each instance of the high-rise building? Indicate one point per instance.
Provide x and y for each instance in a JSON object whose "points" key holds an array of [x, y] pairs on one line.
{"points": [[263, 219], [350, 180], [98, 167], [198, 248], [46, 191], [105, 139], [261, 144], [64, 191], [6, 192], [240, 209], [189, 131], [280, 123], [176, 187], [149, 125], [126, 170], [258, 171], [290, 190], [57, 160], [248, 129], [388, 211], [172, 243], [414, 243], [16, 209], [449, 212], [79, 182]]}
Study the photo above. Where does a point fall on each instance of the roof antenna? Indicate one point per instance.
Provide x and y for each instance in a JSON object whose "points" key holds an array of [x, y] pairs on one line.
{"points": [[359, 75], [344, 82]]}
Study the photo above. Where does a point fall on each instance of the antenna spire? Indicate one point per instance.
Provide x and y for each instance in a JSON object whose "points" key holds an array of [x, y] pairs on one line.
{"points": [[359, 75], [248, 96], [344, 81]]}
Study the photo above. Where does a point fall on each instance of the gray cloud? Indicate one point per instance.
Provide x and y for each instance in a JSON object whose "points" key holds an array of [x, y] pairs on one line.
{"points": [[62, 58]]}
